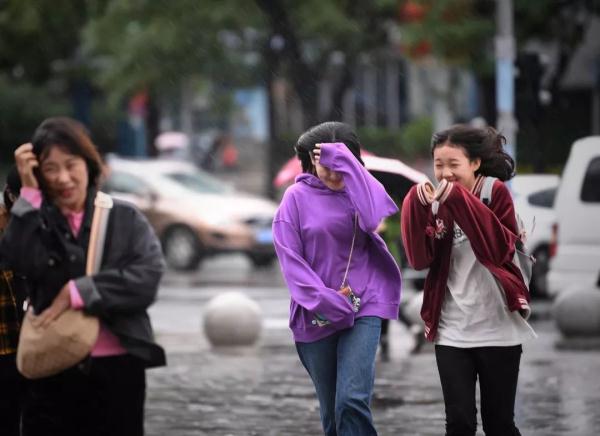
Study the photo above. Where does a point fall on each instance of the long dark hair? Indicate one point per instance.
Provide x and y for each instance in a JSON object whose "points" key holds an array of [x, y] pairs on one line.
{"points": [[485, 143], [330, 131], [73, 137]]}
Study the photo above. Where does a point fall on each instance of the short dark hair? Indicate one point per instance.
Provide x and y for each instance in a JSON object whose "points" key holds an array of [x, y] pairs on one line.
{"points": [[327, 132], [485, 143], [73, 137]]}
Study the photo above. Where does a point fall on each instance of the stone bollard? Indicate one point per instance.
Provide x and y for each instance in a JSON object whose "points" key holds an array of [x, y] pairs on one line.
{"points": [[232, 319], [577, 315], [413, 309]]}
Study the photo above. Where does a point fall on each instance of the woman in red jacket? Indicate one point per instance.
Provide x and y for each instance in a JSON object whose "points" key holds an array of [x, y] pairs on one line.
{"points": [[475, 302]]}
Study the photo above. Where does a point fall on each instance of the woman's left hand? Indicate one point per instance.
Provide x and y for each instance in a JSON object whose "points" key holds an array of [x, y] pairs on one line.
{"points": [[346, 291], [61, 303]]}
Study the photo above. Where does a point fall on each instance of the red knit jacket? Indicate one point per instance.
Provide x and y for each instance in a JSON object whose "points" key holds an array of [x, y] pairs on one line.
{"points": [[492, 231]]}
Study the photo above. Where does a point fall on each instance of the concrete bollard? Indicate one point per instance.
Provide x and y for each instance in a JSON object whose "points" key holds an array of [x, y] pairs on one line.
{"points": [[577, 312], [232, 319], [413, 308]]}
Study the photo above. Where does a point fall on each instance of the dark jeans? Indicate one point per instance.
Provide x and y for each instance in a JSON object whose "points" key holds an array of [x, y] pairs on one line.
{"points": [[11, 393], [498, 371], [342, 368], [106, 400]]}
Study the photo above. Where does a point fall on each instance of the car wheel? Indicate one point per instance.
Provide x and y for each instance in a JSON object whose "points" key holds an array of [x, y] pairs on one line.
{"points": [[182, 249], [539, 284], [260, 260]]}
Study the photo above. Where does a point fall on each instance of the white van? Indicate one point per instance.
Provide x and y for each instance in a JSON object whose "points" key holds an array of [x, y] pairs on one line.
{"points": [[534, 195], [576, 246]]}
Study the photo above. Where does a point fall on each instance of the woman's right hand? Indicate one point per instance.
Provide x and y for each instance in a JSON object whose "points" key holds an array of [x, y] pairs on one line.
{"points": [[26, 162], [425, 192]]}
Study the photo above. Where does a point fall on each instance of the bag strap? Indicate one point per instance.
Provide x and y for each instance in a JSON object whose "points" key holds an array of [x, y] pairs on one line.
{"points": [[485, 195], [351, 251], [103, 203]]}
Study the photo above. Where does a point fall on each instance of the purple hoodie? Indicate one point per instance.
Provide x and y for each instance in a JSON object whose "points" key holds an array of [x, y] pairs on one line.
{"points": [[312, 232]]}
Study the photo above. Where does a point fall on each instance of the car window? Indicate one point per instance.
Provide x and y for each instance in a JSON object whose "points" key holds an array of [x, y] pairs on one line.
{"points": [[590, 191], [544, 198], [126, 183], [199, 183]]}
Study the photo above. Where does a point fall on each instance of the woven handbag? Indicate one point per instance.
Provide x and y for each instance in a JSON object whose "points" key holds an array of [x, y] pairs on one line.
{"points": [[46, 351]]}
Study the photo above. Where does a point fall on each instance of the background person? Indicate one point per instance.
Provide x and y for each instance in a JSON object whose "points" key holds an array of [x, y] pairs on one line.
{"points": [[12, 295]]}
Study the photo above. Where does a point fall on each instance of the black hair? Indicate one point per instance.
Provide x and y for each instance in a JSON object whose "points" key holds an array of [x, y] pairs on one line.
{"points": [[12, 188], [327, 132], [74, 138], [485, 143]]}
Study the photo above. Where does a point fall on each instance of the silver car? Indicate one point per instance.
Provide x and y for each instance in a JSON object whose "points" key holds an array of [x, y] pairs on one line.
{"points": [[194, 214]]}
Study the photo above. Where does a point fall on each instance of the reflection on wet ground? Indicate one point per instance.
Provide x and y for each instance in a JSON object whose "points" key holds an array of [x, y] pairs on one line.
{"points": [[265, 391]]}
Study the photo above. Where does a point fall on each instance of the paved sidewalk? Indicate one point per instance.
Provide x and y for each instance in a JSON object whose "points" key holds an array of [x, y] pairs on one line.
{"points": [[265, 391]]}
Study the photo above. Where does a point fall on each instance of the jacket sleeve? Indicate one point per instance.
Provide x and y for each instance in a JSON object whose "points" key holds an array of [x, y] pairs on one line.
{"points": [[367, 195], [26, 240], [491, 231], [305, 286], [415, 218], [133, 285]]}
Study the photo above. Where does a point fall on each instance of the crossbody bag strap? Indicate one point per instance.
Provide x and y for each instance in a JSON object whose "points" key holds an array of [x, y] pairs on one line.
{"points": [[351, 251]]}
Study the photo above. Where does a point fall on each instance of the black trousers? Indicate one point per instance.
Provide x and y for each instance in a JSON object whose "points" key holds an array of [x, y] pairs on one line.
{"points": [[498, 371], [11, 396], [106, 398]]}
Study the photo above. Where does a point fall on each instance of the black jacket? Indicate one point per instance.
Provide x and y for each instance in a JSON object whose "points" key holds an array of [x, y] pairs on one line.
{"points": [[39, 244]]}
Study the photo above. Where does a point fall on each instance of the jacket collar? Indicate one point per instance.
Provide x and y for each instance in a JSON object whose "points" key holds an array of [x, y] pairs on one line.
{"points": [[476, 189]]}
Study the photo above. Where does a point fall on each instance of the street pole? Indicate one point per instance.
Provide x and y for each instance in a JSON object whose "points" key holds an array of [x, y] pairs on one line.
{"points": [[505, 80]]}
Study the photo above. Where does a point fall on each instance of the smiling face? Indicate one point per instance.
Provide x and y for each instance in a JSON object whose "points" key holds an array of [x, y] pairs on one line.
{"points": [[450, 162], [66, 178]]}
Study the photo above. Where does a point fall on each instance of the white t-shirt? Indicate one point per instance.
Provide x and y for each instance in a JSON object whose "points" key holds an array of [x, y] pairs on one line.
{"points": [[474, 311]]}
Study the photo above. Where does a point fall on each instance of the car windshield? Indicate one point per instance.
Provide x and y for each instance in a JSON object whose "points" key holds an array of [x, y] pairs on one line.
{"points": [[198, 182]]}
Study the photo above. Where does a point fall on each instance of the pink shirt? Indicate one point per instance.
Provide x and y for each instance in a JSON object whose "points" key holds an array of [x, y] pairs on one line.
{"points": [[107, 343]]}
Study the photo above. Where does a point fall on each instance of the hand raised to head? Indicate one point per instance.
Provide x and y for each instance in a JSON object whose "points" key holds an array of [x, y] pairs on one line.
{"points": [[26, 161]]}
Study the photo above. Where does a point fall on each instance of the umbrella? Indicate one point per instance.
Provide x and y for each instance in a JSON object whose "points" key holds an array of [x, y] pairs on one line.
{"points": [[394, 175], [293, 167]]}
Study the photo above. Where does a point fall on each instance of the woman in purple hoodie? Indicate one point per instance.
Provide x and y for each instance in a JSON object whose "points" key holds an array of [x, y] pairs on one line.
{"points": [[341, 277]]}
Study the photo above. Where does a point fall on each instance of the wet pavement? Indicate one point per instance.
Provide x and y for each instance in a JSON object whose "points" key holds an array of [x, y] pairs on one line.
{"points": [[263, 390]]}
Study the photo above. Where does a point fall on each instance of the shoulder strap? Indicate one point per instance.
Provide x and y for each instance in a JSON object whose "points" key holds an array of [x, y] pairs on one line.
{"points": [[351, 251], [485, 195], [103, 203]]}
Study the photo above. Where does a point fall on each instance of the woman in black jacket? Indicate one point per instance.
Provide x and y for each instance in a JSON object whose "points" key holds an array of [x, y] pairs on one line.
{"points": [[46, 241]]}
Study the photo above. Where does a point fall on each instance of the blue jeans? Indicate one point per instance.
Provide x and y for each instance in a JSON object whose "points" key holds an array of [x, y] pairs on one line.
{"points": [[342, 368]]}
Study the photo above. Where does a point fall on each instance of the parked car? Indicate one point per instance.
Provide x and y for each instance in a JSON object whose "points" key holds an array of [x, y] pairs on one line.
{"points": [[576, 246], [534, 196], [194, 214]]}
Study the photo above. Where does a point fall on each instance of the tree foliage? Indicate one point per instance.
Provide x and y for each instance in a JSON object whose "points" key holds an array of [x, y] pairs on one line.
{"points": [[155, 44], [317, 37], [38, 39], [457, 31]]}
